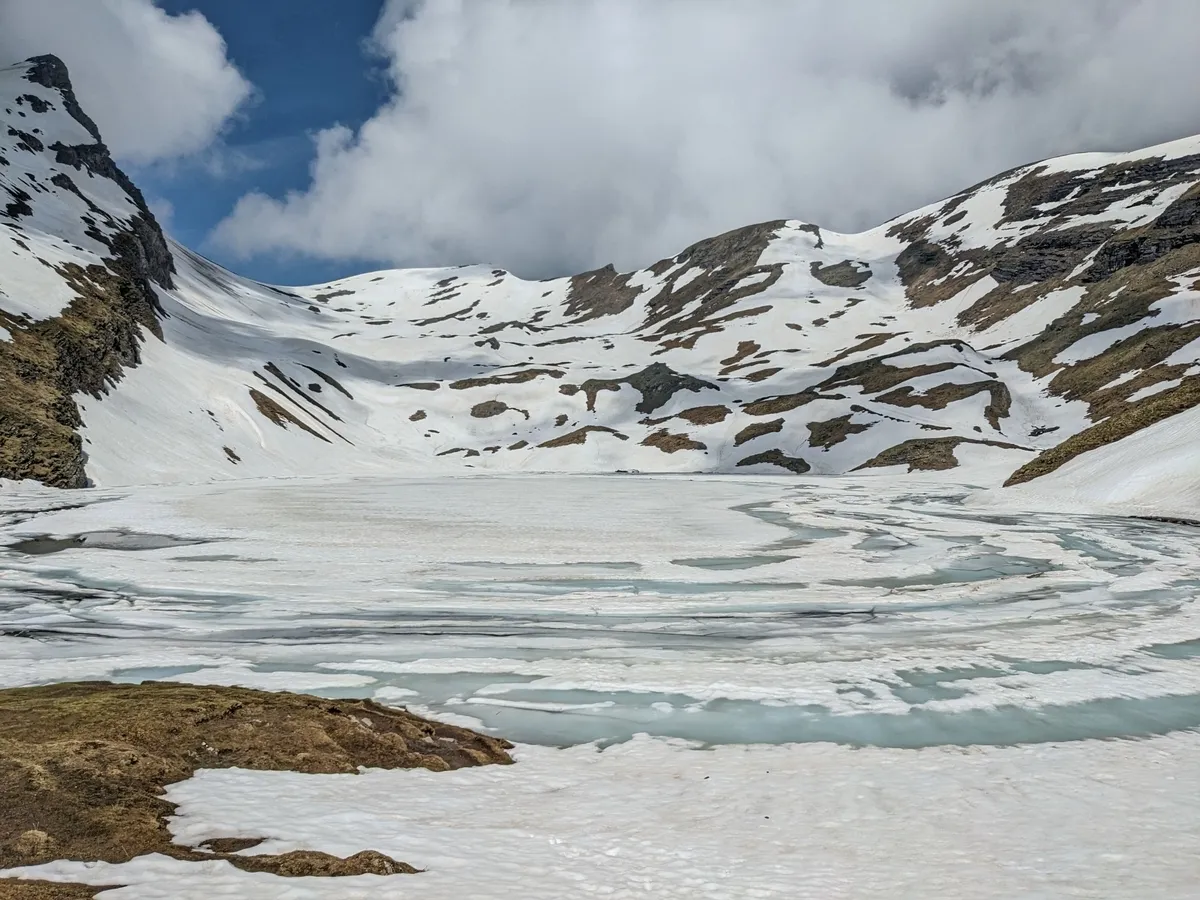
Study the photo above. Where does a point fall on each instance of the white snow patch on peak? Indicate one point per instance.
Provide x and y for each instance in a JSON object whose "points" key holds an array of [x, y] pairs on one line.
{"points": [[1078, 162]]}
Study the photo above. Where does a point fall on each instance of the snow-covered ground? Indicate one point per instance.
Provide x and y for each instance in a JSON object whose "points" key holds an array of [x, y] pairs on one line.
{"points": [[654, 819], [726, 687]]}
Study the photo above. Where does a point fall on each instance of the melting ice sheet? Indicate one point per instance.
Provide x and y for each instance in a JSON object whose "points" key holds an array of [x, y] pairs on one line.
{"points": [[903, 662]]}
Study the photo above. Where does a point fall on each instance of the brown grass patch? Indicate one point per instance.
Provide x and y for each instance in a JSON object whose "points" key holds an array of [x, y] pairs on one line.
{"points": [[885, 372], [579, 436], [762, 374], [488, 409], [833, 431], [12, 889], [1146, 413], [83, 766], [705, 415], [592, 388], [942, 395], [926, 454], [657, 383], [273, 412], [844, 274], [671, 443], [725, 261], [82, 350], [757, 429], [512, 378], [777, 457], [869, 342], [770, 406], [745, 349]]}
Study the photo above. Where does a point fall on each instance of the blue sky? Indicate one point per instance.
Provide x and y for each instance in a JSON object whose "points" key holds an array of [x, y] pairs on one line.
{"points": [[310, 70]]}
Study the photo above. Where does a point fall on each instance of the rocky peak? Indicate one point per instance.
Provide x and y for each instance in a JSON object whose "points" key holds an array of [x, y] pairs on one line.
{"points": [[84, 259], [51, 72], [142, 249]]}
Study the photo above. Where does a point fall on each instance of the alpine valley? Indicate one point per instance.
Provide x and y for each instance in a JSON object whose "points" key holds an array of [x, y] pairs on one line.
{"points": [[1043, 325]]}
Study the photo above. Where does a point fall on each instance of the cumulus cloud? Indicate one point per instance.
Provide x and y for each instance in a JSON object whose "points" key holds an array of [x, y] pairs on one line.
{"points": [[158, 86], [553, 137], [163, 209]]}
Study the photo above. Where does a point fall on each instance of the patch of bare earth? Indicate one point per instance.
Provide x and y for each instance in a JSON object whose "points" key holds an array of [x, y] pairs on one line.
{"points": [[725, 262], [602, 292], [521, 377], [671, 443], [885, 372], [925, 454], [833, 431], [771, 406], [745, 349], [868, 342], [845, 274], [280, 416], [83, 767], [777, 457], [763, 374], [580, 435], [757, 429], [705, 415], [491, 408], [942, 395], [657, 383]]}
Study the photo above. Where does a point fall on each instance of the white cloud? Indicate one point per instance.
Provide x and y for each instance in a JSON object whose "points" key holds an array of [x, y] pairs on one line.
{"points": [[158, 86], [164, 211], [551, 137]]}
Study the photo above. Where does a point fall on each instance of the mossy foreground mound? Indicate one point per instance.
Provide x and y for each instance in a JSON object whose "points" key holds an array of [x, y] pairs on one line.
{"points": [[83, 766]]}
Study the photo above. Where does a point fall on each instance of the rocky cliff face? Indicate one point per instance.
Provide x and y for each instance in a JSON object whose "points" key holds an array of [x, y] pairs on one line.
{"points": [[1045, 315], [72, 211]]}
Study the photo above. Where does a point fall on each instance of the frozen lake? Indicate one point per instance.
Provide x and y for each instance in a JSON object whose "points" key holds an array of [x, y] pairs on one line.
{"points": [[953, 701]]}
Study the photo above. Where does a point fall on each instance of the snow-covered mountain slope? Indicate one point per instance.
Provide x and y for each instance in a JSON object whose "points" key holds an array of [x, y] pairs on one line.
{"points": [[1012, 330], [80, 260]]}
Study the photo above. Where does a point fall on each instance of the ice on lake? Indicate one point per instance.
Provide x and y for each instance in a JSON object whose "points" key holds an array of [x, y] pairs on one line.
{"points": [[630, 632]]}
